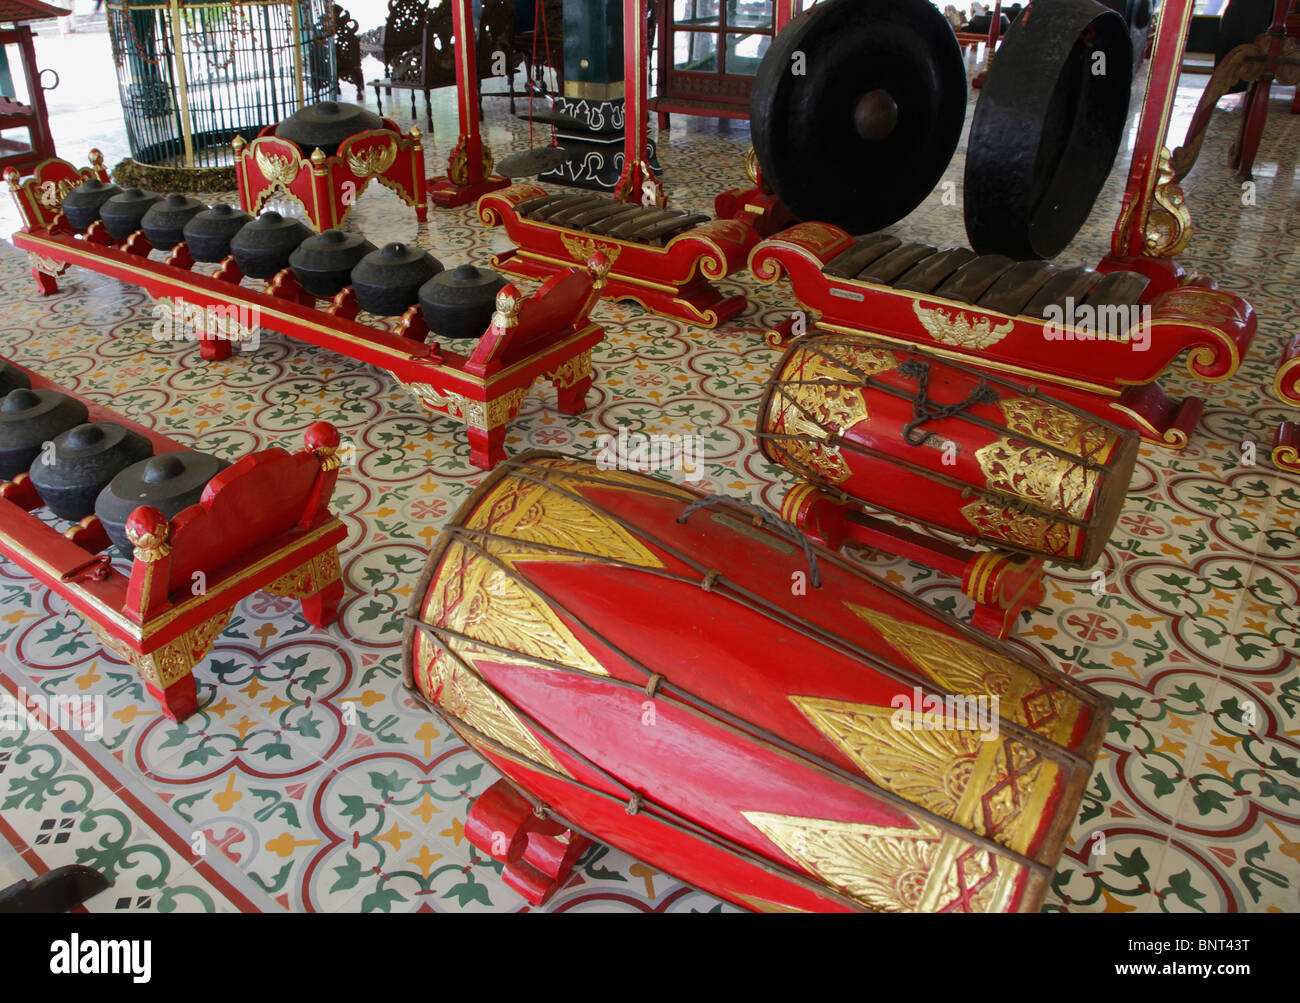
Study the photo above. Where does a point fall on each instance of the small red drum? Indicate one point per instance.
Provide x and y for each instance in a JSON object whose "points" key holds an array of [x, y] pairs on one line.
{"points": [[947, 446], [691, 680]]}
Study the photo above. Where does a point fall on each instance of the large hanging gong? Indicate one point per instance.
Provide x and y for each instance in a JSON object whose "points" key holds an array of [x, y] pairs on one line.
{"points": [[1046, 128], [857, 109]]}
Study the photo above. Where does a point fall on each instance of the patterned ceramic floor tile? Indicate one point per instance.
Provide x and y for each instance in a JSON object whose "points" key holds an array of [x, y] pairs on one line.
{"points": [[318, 784]]}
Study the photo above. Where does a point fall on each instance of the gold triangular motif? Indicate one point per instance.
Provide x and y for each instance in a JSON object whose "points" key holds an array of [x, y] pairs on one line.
{"points": [[929, 767], [883, 867]]}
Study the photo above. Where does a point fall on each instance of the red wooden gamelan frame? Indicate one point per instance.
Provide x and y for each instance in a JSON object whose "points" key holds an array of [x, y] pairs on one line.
{"points": [[1106, 377], [674, 279], [328, 187], [546, 335], [262, 524]]}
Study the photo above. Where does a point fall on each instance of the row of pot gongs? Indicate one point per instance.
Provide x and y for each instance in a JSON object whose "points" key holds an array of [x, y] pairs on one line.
{"points": [[858, 107]]}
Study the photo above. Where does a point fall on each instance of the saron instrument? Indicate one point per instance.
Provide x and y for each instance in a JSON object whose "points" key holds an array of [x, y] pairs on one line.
{"points": [[694, 682]]}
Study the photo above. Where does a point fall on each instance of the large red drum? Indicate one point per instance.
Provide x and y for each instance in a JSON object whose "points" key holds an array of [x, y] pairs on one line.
{"points": [[694, 682], [947, 445]]}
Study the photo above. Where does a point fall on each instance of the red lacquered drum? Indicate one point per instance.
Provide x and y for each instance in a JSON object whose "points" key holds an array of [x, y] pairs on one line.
{"points": [[947, 446], [703, 688]]}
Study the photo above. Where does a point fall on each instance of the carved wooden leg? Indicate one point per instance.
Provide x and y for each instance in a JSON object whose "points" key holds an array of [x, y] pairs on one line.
{"points": [[214, 349], [539, 853], [486, 446], [572, 379], [179, 700], [168, 671], [573, 399], [46, 284], [317, 583], [322, 608]]}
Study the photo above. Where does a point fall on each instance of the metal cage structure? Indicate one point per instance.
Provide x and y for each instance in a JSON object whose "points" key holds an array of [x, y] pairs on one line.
{"points": [[193, 74]]}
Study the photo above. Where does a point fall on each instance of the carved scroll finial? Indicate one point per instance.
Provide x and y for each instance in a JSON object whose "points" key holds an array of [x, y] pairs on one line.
{"points": [[15, 182], [148, 531], [96, 159], [1168, 228]]}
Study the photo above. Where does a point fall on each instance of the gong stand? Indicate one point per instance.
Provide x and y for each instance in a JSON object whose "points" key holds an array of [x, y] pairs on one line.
{"points": [[328, 187], [548, 335], [1154, 224], [469, 165], [1272, 58], [264, 524], [758, 207], [638, 183]]}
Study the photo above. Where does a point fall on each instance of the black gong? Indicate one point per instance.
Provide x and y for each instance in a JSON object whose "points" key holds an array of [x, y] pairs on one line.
{"points": [[856, 110], [1046, 128]]}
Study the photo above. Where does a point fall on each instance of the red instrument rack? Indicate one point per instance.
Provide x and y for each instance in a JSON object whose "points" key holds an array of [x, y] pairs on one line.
{"points": [[262, 524], [328, 187], [674, 279], [1104, 376], [547, 335]]}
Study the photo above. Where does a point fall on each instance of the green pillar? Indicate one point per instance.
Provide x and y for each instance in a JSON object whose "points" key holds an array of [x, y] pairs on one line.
{"points": [[593, 49]]}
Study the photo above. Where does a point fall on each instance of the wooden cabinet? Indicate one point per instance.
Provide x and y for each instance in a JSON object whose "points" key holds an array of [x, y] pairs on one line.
{"points": [[709, 51]]}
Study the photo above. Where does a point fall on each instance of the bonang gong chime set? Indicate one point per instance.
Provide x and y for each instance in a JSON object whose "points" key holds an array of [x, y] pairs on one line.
{"points": [[709, 686]]}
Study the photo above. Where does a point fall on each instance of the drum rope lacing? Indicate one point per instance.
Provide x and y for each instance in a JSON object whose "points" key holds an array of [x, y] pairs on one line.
{"points": [[833, 439], [924, 409], [747, 598], [701, 708], [1088, 461], [1004, 499], [762, 518]]}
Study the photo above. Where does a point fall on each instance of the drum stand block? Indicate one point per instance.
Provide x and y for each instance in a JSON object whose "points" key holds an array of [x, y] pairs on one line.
{"points": [[547, 335], [674, 279], [1111, 377], [1002, 585], [538, 852], [328, 187], [158, 617]]}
